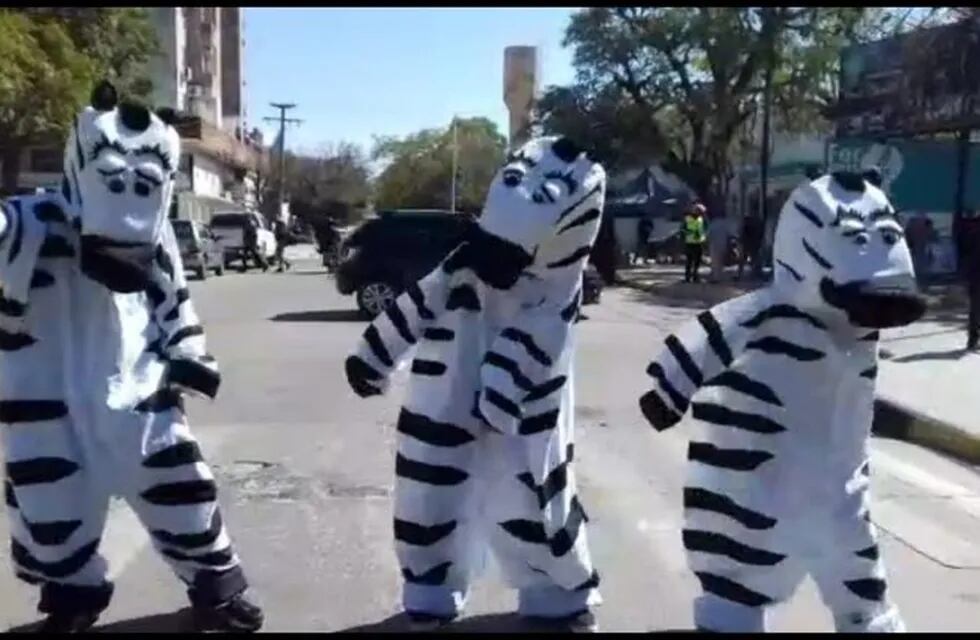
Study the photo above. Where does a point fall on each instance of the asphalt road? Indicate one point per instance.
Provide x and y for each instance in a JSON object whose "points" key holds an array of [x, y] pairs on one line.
{"points": [[305, 471]]}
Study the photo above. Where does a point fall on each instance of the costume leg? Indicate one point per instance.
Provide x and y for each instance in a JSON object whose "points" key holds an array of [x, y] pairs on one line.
{"points": [[554, 574], [437, 498], [57, 510], [851, 579], [173, 492]]}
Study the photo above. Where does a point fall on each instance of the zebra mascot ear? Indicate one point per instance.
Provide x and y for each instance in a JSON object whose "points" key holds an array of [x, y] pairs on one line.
{"points": [[104, 96], [168, 115]]}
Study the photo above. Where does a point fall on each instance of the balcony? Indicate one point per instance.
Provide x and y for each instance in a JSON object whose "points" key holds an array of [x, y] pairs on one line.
{"points": [[198, 136]]}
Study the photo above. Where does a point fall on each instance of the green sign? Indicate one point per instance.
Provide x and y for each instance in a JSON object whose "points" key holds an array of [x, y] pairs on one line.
{"points": [[918, 175]]}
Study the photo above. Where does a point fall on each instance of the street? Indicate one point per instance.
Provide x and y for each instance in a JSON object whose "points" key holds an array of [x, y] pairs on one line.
{"points": [[305, 472]]}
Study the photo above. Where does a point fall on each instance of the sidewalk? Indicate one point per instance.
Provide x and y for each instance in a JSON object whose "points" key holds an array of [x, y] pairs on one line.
{"points": [[928, 386]]}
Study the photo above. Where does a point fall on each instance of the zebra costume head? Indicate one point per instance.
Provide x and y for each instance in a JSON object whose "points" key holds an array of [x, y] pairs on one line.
{"points": [[543, 212], [840, 248], [120, 167]]}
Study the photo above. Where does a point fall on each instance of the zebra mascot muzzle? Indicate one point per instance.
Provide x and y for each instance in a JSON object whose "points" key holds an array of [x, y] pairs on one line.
{"points": [[840, 245], [120, 164]]}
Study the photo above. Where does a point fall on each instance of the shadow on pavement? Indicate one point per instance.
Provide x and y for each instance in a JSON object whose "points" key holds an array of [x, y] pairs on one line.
{"points": [[327, 315], [174, 622], [951, 354], [489, 623]]}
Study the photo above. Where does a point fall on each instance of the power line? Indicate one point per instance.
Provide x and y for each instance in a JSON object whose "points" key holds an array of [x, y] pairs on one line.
{"points": [[283, 107]]}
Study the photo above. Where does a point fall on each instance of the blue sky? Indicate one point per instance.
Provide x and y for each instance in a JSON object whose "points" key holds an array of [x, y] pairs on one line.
{"points": [[355, 73]]}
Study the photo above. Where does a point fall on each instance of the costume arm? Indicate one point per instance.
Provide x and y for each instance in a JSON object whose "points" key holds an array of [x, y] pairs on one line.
{"points": [[21, 237], [389, 338], [190, 367], [698, 352]]}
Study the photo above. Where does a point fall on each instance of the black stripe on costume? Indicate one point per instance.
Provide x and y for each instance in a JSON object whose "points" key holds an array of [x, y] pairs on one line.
{"points": [[867, 588], [181, 493], [41, 470], [526, 530], [439, 334], [194, 375], [870, 373], [12, 411], [716, 338], [65, 189], [554, 484], [50, 534], [571, 258], [53, 570], [15, 341], [431, 432], [175, 455], [585, 218], [504, 363], [571, 311], [160, 400], [545, 389], [192, 540], [428, 367], [871, 553], [871, 337], [421, 535], [777, 346], [463, 297], [377, 346], [502, 402], [10, 307], [185, 332], [656, 372], [564, 540], [182, 295], [819, 259], [537, 424], [740, 382], [718, 544], [684, 359], [809, 215], [155, 294], [433, 577], [728, 589], [656, 411], [166, 264], [418, 298], [734, 459], [428, 473], [41, 279], [591, 583], [47, 211], [697, 498], [397, 318], [578, 203], [781, 311], [527, 341], [8, 495], [18, 240], [55, 246], [793, 272], [217, 558], [725, 417]]}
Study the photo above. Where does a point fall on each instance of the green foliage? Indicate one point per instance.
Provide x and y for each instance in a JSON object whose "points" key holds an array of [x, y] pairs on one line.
{"points": [[334, 183], [419, 169]]}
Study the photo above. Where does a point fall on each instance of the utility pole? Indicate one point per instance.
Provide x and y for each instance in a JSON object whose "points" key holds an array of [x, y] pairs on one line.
{"points": [[283, 107]]}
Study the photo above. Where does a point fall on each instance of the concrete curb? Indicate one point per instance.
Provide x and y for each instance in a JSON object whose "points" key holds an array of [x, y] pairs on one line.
{"points": [[894, 420], [891, 419], [715, 295]]}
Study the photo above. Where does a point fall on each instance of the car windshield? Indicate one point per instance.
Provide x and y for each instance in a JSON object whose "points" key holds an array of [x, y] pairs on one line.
{"points": [[229, 220], [183, 231]]}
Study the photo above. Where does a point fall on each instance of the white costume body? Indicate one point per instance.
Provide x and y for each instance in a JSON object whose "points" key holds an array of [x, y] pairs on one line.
{"points": [[98, 338], [781, 386], [486, 432]]}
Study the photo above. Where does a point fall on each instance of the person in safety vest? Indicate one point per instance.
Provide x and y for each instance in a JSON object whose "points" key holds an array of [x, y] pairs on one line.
{"points": [[693, 233]]}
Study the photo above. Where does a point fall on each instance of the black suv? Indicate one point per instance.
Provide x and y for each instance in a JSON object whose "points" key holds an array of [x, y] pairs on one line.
{"points": [[385, 255]]}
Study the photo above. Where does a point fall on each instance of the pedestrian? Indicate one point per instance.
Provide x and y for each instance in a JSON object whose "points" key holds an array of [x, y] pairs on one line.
{"points": [[252, 249], [85, 420], [718, 246], [918, 236], [777, 486], [282, 241], [751, 243], [694, 237], [486, 434], [966, 234], [643, 231]]}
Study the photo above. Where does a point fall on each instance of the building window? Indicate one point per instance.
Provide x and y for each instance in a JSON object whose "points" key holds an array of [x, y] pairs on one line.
{"points": [[46, 160]]}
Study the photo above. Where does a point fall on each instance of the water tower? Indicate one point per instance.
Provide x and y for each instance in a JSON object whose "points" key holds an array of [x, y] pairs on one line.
{"points": [[520, 89]]}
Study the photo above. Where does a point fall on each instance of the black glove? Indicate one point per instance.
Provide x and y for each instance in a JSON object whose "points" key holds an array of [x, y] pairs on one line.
{"points": [[359, 376], [657, 412]]}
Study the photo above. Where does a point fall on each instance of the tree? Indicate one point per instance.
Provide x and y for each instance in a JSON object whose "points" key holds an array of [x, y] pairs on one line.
{"points": [[419, 170], [334, 183], [52, 58]]}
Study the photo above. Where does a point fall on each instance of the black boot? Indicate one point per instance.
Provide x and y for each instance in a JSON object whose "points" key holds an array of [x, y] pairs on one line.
{"points": [[237, 614], [68, 622]]}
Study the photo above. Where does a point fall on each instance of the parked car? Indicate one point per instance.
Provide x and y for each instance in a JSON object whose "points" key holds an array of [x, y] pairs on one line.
{"points": [[199, 251], [591, 285], [386, 254], [229, 229]]}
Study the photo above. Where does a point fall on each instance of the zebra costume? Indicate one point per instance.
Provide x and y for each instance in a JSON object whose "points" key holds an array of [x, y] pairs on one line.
{"points": [[785, 378], [485, 434], [98, 338]]}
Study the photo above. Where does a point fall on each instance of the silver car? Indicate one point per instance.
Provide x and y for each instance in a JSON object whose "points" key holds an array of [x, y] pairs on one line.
{"points": [[199, 251]]}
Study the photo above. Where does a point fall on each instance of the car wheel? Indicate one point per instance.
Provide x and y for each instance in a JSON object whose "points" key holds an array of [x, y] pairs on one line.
{"points": [[202, 272], [220, 269], [375, 297]]}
